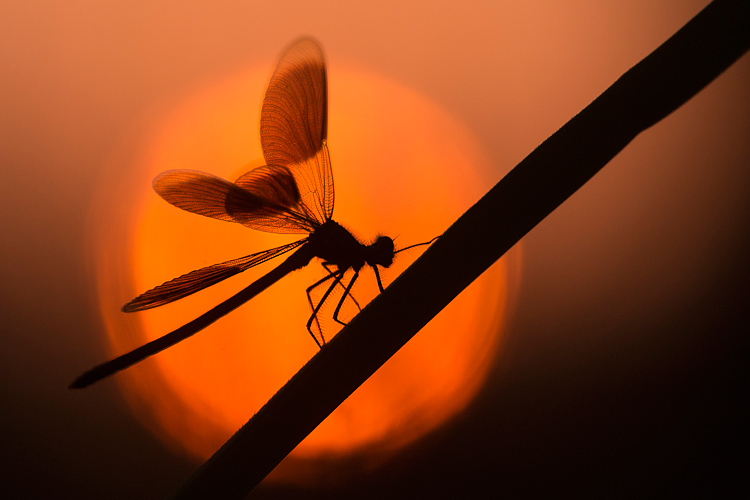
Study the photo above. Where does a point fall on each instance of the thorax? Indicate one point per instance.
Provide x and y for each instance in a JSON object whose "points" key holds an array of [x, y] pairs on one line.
{"points": [[335, 244]]}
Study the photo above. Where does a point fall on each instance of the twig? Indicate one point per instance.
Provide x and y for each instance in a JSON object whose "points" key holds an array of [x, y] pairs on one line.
{"points": [[666, 79]]}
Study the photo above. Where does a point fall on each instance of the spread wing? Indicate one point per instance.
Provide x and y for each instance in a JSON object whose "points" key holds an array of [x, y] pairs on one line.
{"points": [[266, 198], [194, 281], [294, 126]]}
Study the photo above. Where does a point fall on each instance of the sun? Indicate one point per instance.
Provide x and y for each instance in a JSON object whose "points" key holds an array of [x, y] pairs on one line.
{"points": [[402, 167]]}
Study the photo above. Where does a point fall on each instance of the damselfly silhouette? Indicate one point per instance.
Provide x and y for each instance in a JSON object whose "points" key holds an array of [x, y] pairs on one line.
{"points": [[292, 193]]}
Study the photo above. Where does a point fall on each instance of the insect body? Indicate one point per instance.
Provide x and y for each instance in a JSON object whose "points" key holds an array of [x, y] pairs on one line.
{"points": [[292, 193]]}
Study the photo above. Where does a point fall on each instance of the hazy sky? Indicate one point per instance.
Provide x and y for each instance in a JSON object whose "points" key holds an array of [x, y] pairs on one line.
{"points": [[620, 367]]}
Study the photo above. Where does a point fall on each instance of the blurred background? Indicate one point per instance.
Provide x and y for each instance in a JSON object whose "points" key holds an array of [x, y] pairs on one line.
{"points": [[620, 372]]}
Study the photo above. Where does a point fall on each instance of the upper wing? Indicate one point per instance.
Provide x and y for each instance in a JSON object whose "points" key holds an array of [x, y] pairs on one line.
{"points": [[294, 126], [194, 281], [267, 199]]}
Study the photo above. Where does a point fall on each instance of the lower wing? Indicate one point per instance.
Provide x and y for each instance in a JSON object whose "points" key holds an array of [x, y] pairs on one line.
{"points": [[197, 280]]}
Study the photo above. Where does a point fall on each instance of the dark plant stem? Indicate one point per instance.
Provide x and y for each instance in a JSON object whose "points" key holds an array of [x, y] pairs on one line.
{"points": [[666, 79]]}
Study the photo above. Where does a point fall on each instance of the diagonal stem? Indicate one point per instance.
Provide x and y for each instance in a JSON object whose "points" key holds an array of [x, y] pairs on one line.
{"points": [[666, 79]]}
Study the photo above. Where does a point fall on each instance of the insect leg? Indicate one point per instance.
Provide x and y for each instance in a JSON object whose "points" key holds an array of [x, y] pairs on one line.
{"points": [[331, 274], [326, 264], [338, 274], [343, 298], [359, 307], [377, 277]]}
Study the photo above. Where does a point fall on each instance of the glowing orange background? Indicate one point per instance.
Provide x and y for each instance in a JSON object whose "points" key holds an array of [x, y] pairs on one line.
{"points": [[620, 368], [400, 163]]}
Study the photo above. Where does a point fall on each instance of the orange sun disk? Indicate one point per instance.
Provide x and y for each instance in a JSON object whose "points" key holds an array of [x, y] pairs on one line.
{"points": [[402, 167]]}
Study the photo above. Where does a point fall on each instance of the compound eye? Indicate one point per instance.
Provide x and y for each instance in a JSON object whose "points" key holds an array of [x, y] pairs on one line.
{"points": [[381, 252], [384, 244]]}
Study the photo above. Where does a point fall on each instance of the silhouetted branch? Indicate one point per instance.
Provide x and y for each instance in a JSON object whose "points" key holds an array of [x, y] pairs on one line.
{"points": [[650, 91]]}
